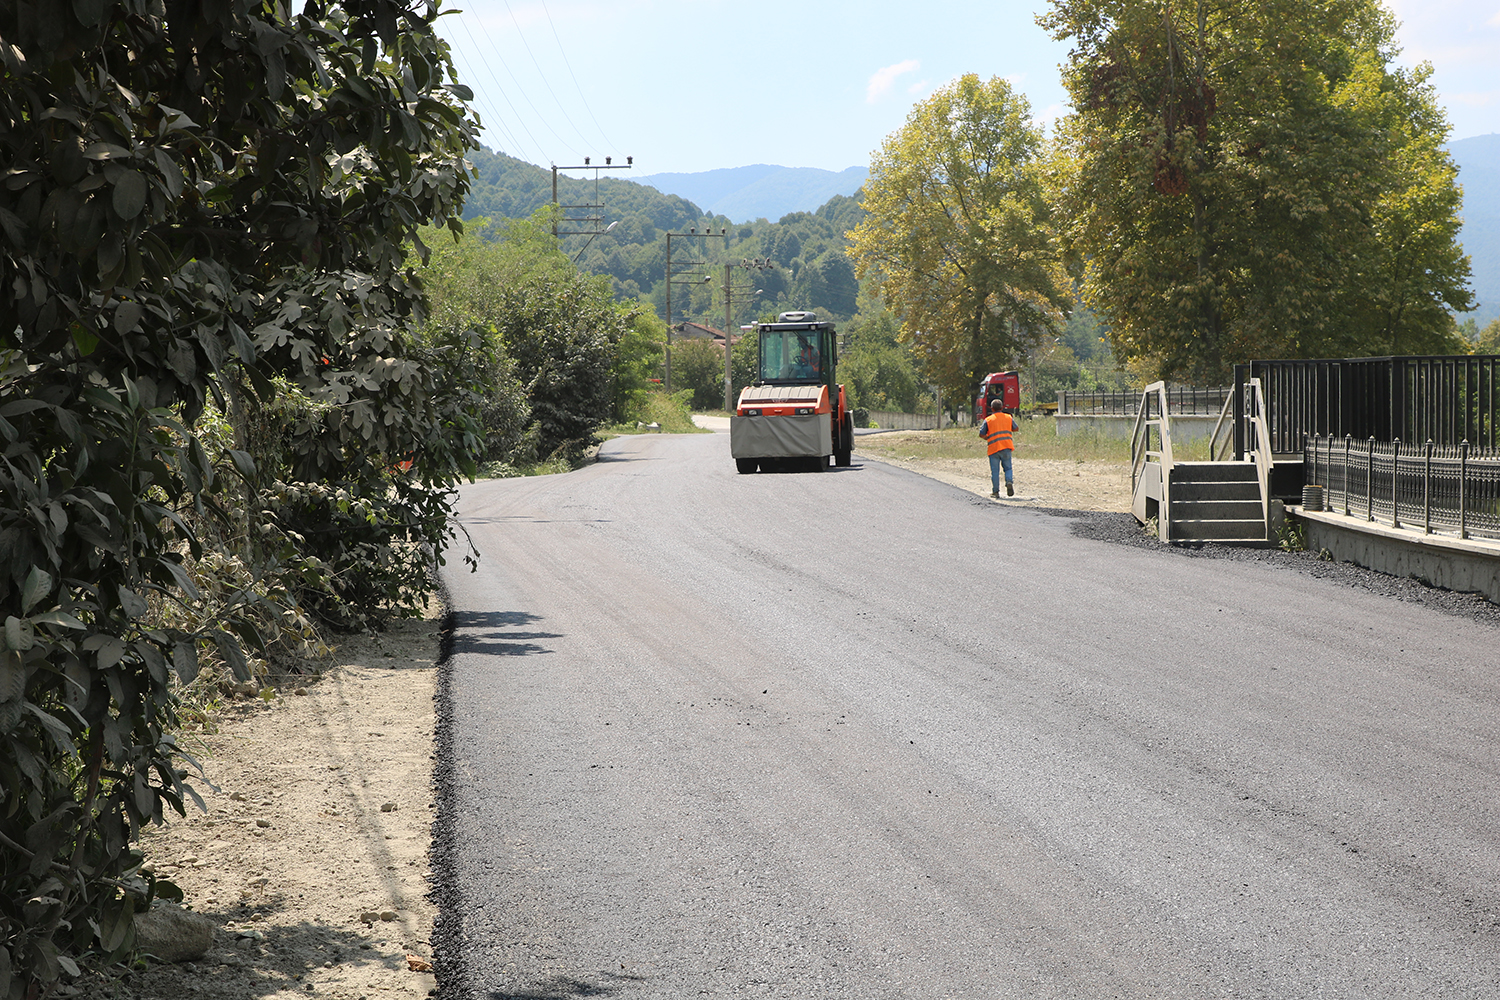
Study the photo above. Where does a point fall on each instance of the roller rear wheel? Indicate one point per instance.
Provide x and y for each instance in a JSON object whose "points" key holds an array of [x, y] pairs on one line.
{"points": [[745, 465]]}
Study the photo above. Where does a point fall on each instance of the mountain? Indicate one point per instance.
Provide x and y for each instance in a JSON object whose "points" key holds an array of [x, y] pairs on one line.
{"points": [[1478, 160], [762, 191], [812, 271]]}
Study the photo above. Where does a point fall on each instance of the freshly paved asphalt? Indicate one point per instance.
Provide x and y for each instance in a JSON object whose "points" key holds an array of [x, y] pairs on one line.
{"points": [[859, 734]]}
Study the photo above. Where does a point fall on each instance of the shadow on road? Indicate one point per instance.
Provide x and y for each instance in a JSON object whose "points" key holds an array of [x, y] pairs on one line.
{"points": [[484, 633]]}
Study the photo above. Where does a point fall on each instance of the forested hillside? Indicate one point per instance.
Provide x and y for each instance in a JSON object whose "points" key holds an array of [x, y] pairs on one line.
{"points": [[811, 272]]}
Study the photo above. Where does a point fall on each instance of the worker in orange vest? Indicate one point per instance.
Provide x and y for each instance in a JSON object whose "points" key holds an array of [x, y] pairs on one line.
{"points": [[999, 430]]}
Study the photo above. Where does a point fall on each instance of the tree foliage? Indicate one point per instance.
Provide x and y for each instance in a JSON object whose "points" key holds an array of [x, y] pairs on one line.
{"points": [[698, 366], [1256, 181], [957, 238], [202, 202], [549, 352]]}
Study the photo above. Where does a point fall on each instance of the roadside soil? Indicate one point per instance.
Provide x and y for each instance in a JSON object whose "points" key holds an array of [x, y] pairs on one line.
{"points": [[312, 860], [1052, 483]]}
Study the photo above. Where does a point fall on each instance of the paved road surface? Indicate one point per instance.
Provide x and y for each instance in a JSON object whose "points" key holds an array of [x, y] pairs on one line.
{"points": [[859, 734]]}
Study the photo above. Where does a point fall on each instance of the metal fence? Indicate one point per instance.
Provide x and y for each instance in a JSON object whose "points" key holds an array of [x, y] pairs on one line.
{"points": [[1181, 401], [1447, 399], [1449, 489]]}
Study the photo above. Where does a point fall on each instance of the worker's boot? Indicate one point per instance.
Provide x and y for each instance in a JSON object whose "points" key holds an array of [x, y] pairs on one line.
{"points": [[1010, 490], [994, 494]]}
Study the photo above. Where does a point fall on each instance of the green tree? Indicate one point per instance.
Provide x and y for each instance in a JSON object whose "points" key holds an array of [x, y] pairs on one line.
{"points": [[1255, 181], [877, 369], [957, 239], [564, 333], [698, 366], [638, 357], [215, 203], [1487, 340]]}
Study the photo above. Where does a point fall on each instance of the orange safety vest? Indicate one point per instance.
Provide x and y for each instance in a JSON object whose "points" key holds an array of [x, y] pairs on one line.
{"points": [[998, 428]]}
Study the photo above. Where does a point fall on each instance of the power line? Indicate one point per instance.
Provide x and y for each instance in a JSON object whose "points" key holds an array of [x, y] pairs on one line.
{"points": [[517, 115], [540, 73], [522, 91], [563, 52]]}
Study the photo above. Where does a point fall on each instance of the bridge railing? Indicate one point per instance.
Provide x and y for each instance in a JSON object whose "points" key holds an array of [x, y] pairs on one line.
{"points": [[1439, 489]]}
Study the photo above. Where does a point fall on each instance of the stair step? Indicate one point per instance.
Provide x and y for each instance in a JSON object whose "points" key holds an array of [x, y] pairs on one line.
{"points": [[1215, 472], [1216, 510], [1218, 530], [1188, 492]]}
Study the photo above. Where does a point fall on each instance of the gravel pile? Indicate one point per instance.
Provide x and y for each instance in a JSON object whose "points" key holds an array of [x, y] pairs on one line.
{"points": [[1122, 529]]}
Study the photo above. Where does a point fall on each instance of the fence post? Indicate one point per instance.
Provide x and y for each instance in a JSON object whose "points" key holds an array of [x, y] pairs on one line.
{"points": [[1370, 482], [1349, 447], [1463, 482], [1427, 492], [1395, 468]]}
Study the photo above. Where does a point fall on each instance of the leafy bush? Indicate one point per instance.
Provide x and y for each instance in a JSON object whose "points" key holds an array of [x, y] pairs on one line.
{"points": [[194, 207], [698, 368]]}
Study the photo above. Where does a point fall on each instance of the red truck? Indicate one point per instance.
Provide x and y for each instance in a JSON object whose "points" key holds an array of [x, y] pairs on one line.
{"points": [[1004, 386]]}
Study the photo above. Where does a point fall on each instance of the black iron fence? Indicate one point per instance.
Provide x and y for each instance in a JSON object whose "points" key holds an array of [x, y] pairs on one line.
{"points": [[1437, 488], [1446, 399], [1181, 401]]}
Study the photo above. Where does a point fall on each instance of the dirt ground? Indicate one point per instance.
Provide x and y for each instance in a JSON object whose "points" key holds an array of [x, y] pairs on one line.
{"points": [[1053, 483], [313, 858]]}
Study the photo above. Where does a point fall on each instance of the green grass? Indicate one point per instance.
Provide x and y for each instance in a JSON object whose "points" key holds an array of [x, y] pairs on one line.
{"points": [[670, 412], [1035, 439]]}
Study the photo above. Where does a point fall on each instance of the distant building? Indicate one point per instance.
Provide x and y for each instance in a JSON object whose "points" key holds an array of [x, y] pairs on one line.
{"points": [[697, 331]]}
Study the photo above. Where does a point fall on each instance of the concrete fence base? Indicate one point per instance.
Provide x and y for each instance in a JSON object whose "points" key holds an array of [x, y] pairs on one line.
{"points": [[888, 420], [1468, 566]]}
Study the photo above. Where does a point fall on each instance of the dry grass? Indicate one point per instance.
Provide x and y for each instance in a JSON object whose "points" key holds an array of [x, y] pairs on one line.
{"points": [[1036, 440]]}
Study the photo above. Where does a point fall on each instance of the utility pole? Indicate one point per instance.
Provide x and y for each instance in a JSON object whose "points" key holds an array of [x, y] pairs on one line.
{"points": [[671, 280], [593, 222], [758, 264]]}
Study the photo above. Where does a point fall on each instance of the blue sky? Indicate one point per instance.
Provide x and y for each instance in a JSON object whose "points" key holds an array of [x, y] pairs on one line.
{"points": [[694, 86]]}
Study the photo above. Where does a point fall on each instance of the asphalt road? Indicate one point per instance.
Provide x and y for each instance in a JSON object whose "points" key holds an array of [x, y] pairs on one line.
{"points": [[860, 734]]}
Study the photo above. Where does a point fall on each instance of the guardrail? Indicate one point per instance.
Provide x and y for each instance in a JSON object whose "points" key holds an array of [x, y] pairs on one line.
{"points": [[1443, 488]]}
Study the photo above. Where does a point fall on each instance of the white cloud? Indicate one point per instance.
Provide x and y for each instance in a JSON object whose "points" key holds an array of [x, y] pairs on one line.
{"points": [[883, 79], [919, 87], [1494, 22]]}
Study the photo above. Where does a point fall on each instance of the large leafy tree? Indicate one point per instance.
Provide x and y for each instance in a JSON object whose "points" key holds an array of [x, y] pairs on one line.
{"points": [[1255, 180], [958, 237], [201, 201], [551, 354]]}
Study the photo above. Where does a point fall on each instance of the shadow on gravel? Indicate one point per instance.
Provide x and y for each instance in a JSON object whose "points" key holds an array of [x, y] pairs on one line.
{"points": [[484, 633], [563, 987]]}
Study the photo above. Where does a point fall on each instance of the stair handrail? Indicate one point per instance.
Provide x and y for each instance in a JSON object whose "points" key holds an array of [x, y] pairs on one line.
{"points": [[1140, 445], [1216, 450], [1260, 432]]}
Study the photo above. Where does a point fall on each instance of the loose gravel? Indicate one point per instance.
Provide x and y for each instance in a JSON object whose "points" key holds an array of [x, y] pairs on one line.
{"points": [[1123, 529]]}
